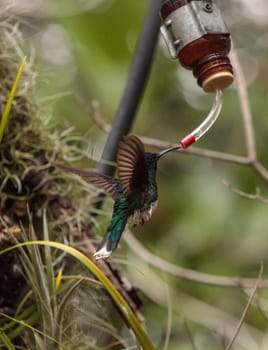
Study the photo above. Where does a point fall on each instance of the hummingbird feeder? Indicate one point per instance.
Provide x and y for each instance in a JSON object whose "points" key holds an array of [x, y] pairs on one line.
{"points": [[196, 35]]}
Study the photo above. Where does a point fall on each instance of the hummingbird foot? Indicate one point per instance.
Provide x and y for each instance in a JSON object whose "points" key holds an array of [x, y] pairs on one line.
{"points": [[102, 253]]}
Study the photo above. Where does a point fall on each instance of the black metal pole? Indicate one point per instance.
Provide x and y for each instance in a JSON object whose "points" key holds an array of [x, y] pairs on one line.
{"points": [[135, 85]]}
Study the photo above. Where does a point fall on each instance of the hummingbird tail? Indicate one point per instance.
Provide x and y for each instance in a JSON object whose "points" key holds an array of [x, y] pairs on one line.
{"points": [[108, 245], [102, 252], [113, 234]]}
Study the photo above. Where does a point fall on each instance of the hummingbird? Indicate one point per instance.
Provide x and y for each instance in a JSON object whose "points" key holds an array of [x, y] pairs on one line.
{"points": [[134, 191]]}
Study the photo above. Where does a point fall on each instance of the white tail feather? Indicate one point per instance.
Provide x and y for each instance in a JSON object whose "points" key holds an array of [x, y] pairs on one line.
{"points": [[102, 253]]}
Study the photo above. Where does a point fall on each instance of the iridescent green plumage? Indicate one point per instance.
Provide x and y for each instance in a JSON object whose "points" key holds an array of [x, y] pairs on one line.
{"points": [[134, 192]]}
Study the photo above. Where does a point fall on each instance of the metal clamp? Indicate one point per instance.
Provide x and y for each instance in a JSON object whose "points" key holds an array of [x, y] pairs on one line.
{"points": [[190, 22]]}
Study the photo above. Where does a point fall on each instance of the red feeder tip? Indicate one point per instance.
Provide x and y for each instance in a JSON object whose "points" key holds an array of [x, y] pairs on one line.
{"points": [[187, 141]]}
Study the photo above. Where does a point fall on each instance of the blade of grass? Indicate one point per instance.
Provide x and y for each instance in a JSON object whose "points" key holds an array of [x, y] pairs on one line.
{"points": [[6, 341], [36, 275], [18, 330], [49, 267], [11, 96], [22, 316], [33, 260], [122, 305], [62, 307], [27, 325]]}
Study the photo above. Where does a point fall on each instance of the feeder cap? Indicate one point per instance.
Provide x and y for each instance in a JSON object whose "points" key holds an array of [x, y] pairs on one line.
{"points": [[218, 81]]}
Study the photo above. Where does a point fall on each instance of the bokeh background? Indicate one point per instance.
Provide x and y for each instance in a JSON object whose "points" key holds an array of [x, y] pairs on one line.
{"points": [[83, 50]]}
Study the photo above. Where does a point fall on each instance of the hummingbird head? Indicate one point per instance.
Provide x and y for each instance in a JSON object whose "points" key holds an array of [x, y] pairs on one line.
{"points": [[151, 159]]}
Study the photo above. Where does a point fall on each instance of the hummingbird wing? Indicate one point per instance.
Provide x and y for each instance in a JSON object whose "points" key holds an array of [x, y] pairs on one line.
{"points": [[101, 181], [131, 165]]}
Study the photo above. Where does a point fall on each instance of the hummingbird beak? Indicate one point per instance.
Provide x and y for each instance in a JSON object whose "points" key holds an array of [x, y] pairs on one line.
{"points": [[160, 154]]}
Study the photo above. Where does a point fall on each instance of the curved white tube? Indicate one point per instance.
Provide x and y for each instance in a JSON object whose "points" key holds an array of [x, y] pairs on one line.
{"points": [[207, 123]]}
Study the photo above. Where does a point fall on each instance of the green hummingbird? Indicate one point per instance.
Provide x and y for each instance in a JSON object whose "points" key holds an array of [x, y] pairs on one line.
{"points": [[134, 191]]}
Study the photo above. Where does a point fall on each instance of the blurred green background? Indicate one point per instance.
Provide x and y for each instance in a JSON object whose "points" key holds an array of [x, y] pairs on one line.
{"points": [[84, 49]]}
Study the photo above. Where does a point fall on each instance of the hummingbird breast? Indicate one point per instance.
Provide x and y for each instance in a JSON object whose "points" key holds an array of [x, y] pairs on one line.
{"points": [[141, 215]]}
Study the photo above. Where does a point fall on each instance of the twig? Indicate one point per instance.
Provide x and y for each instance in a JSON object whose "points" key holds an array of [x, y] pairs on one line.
{"points": [[216, 320], [188, 274], [249, 303], [169, 318], [118, 278], [148, 141], [98, 117], [245, 107], [152, 142], [260, 170], [257, 196], [247, 118], [93, 110], [201, 152], [190, 336]]}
